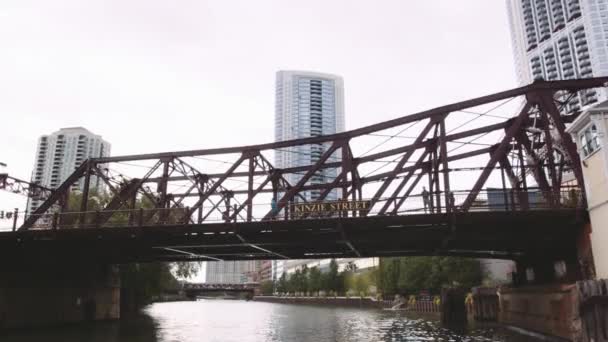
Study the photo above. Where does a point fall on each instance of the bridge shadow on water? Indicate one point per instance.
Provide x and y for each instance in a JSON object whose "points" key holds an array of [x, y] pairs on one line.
{"points": [[135, 328]]}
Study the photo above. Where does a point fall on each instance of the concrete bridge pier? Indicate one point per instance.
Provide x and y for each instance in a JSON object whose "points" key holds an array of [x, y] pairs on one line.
{"points": [[33, 295]]}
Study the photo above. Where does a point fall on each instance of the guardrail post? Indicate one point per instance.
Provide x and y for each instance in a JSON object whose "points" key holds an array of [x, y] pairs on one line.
{"points": [[15, 216], [186, 217], [513, 206], [55, 220], [140, 219], [97, 220]]}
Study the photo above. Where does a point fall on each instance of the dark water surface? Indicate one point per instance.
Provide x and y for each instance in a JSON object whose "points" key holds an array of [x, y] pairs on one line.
{"points": [[224, 320]]}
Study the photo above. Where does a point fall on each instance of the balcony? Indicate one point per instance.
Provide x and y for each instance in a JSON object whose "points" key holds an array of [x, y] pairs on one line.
{"points": [[559, 25], [585, 64]]}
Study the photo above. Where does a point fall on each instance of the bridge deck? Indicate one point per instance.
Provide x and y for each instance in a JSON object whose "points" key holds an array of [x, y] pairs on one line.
{"points": [[495, 234]]}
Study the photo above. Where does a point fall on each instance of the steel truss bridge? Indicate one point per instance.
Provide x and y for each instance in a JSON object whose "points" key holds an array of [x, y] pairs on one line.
{"points": [[503, 180], [192, 290], [219, 287]]}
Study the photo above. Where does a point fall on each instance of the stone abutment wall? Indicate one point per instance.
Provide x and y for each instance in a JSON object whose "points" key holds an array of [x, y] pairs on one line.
{"points": [[46, 295]]}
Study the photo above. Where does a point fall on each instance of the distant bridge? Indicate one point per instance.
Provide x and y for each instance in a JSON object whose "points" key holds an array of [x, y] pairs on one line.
{"points": [[520, 196], [200, 289], [220, 287]]}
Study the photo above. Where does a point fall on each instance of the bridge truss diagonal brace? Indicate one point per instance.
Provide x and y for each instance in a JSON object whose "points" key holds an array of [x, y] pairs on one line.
{"points": [[61, 192], [391, 176], [282, 203], [244, 241], [278, 177], [347, 240], [19, 186], [194, 255], [128, 190], [496, 155], [122, 195], [197, 179], [200, 182], [538, 172], [547, 104], [251, 191], [348, 166], [507, 168], [395, 196], [214, 187]]}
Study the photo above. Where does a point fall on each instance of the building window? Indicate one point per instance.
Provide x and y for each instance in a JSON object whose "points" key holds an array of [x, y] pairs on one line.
{"points": [[589, 140]]}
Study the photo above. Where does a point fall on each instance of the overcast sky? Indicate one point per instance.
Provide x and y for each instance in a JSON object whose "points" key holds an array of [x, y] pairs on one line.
{"points": [[161, 75]]}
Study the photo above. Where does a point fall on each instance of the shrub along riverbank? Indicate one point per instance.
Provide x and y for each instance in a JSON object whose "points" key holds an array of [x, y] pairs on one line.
{"points": [[401, 275]]}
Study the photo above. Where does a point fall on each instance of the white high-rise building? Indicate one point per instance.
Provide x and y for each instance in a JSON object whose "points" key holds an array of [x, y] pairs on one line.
{"points": [[308, 104], [60, 153], [232, 272], [561, 39]]}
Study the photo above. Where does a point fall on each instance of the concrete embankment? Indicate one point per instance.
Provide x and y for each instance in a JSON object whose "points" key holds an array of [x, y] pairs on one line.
{"points": [[352, 302]]}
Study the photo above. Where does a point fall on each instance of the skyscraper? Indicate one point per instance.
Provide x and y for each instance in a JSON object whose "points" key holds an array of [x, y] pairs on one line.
{"points": [[561, 39], [308, 104], [60, 153]]}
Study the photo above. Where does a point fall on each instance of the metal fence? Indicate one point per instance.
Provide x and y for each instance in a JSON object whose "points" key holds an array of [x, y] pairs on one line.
{"points": [[420, 204]]}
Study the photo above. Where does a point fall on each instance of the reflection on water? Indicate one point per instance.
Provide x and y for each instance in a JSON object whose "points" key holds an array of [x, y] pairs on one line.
{"points": [[219, 320]]}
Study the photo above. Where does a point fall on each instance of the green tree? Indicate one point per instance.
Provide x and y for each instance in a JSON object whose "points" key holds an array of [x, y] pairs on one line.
{"points": [[362, 283], [333, 279], [142, 283], [388, 275], [267, 287], [417, 273], [282, 286], [412, 274], [303, 281], [295, 282], [314, 280], [349, 278]]}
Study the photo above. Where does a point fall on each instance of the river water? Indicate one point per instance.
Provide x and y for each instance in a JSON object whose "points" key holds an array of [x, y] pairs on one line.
{"points": [[227, 320]]}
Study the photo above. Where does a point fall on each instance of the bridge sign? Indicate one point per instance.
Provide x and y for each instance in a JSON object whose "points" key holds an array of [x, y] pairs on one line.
{"points": [[328, 207]]}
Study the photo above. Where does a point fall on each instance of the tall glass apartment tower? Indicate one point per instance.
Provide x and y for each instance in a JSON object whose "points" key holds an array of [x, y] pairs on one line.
{"points": [[308, 104], [561, 39], [60, 153]]}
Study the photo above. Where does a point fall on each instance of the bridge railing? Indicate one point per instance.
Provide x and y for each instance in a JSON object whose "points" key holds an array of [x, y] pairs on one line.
{"points": [[420, 204]]}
